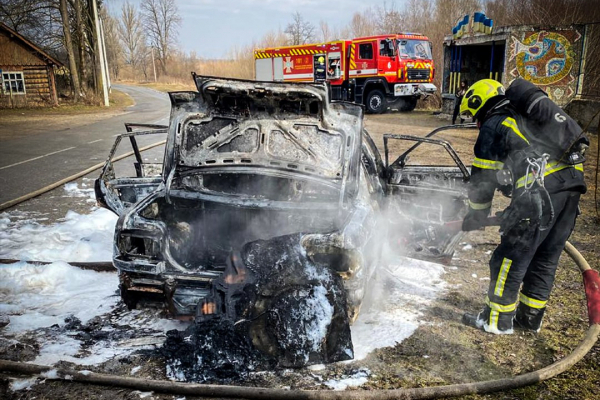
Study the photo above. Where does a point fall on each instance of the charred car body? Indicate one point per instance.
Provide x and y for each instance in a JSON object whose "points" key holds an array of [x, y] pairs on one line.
{"points": [[266, 212]]}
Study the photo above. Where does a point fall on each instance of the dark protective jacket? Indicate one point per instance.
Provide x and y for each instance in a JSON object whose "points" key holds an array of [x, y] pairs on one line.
{"points": [[501, 144]]}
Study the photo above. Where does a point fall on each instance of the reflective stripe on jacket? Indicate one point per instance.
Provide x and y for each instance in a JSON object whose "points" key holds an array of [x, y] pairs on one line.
{"points": [[498, 143]]}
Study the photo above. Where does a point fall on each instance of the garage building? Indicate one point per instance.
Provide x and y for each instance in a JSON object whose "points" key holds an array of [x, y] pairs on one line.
{"points": [[553, 58]]}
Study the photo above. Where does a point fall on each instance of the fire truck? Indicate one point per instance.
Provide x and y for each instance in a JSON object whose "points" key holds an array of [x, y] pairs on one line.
{"points": [[381, 72]]}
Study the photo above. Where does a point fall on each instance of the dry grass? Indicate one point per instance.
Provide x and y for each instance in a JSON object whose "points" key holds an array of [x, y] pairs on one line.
{"points": [[117, 99], [18, 122], [171, 85]]}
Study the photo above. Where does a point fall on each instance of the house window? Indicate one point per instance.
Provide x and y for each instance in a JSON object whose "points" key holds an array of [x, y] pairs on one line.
{"points": [[365, 51], [13, 83]]}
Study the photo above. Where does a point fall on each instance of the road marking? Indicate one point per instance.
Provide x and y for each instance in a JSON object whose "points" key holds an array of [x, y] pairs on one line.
{"points": [[95, 141], [36, 158]]}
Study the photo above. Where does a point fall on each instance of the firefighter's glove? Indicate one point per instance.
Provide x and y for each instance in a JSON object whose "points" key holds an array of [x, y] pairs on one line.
{"points": [[475, 219]]}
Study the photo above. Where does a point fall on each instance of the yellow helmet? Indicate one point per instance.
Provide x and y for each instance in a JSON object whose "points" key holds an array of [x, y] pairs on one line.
{"points": [[477, 95]]}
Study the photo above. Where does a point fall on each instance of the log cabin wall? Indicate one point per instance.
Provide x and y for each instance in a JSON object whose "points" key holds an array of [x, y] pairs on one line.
{"points": [[26, 73]]}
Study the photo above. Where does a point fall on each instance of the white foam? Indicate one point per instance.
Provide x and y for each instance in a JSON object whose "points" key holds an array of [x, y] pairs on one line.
{"points": [[72, 189], [79, 237], [21, 384], [40, 296], [355, 380], [65, 348], [52, 374], [395, 313], [135, 370], [37, 296], [143, 395], [321, 311]]}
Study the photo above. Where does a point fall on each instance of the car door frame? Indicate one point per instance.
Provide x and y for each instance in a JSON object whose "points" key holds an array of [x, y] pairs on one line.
{"points": [[443, 231], [109, 189]]}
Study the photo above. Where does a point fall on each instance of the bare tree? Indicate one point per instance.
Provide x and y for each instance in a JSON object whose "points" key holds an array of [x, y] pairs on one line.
{"points": [[326, 34], [81, 42], [362, 24], [300, 31], [114, 49], [388, 19], [38, 20], [131, 34], [64, 13], [161, 19], [418, 17], [272, 39], [21, 15]]}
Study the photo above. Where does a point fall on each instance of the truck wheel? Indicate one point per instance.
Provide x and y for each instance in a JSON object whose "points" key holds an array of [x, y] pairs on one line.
{"points": [[408, 104], [376, 103]]}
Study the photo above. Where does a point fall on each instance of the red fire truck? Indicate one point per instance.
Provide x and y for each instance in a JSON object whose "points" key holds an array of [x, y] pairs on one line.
{"points": [[377, 71]]}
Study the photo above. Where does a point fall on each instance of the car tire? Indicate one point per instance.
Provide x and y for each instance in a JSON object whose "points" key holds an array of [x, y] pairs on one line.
{"points": [[376, 102]]}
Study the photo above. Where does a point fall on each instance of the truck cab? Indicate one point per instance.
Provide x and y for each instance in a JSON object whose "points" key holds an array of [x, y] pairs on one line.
{"points": [[391, 71]]}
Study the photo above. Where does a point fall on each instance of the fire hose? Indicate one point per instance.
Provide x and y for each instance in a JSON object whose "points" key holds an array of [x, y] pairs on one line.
{"points": [[591, 280], [68, 179]]}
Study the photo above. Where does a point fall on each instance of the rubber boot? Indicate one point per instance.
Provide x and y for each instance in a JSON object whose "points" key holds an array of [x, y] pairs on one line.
{"points": [[528, 318], [504, 324], [473, 320]]}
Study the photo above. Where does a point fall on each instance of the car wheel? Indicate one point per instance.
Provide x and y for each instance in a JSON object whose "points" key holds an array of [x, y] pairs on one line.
{"points": [[376, 103]]}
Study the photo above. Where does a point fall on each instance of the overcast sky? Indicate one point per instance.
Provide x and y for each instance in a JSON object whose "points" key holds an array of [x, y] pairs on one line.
{"points": [[212, 27]]}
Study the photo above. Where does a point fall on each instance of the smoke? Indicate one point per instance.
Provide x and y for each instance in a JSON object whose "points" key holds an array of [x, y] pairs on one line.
{"points": [[273, 198]]}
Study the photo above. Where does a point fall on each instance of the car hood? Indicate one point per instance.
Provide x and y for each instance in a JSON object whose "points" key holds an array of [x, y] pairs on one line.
{"points": [[238, 124]]}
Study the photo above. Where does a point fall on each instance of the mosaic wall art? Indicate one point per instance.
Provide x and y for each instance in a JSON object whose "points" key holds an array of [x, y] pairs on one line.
{"points": [[548, 59]]}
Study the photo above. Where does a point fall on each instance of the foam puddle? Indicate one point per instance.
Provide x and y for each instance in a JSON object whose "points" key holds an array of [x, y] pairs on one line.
{"points": [[78, 237], [394, 312], [38, 297]]}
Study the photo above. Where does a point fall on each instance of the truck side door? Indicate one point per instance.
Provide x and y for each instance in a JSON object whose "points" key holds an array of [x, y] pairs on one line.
{"points": [[365, 58], [385, 58]]}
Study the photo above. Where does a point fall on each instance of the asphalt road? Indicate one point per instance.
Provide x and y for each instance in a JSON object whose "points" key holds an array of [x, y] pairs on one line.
{"points": [[32, 162]]}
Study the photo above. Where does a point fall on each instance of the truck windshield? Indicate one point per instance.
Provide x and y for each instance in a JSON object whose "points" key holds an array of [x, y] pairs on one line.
{"points": [[415, 49]]}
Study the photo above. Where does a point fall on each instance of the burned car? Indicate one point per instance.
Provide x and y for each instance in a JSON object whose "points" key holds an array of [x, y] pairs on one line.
{"points": [[271, 210]]}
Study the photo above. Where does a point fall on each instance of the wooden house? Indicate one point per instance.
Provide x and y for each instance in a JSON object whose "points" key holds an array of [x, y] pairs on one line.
{"points": [[26, 72]]}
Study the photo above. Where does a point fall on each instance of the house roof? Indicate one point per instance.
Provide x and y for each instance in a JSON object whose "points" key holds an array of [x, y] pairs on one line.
{"points": [[27, 43]]}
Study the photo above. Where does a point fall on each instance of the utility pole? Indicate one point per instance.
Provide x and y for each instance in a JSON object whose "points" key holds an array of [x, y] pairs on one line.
{"points": [[106, 70], [100, 52], [153, 65]]}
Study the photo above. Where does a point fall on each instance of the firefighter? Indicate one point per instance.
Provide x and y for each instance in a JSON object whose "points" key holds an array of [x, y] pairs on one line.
{"points": [[534, 227]]}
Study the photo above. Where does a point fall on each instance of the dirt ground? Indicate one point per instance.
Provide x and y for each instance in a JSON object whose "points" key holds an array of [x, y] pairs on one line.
{"points": [[442, 351]]}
